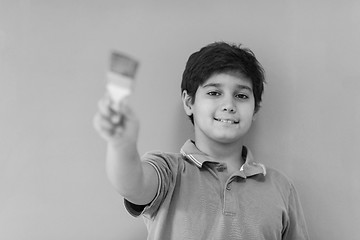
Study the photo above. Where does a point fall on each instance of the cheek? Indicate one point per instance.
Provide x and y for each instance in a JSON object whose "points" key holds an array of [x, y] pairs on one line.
{"points": [[205, 108], [248, 113], [203, 115]]}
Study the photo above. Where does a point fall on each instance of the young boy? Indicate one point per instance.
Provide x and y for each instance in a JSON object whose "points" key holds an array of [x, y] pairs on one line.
{"points": [[213, 188]]}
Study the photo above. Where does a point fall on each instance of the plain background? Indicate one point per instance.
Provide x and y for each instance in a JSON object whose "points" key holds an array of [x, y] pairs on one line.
{"points": [[53, 60]]}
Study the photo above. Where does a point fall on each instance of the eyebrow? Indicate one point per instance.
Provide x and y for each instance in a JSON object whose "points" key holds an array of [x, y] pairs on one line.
{"points": [[218, 85]]}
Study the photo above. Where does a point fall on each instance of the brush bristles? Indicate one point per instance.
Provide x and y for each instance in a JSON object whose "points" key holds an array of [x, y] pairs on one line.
{"points": [[123, 64]]}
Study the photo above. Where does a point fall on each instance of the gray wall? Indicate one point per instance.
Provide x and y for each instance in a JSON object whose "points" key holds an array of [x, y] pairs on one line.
{"points": [[53, 58]]}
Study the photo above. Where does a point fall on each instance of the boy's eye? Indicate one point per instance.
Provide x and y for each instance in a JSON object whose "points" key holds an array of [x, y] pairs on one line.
{"points": [[213, 93], [241, 96]]}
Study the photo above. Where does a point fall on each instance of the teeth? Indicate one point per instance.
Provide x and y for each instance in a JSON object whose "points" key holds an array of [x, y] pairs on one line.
{"points": [[226, 120]]}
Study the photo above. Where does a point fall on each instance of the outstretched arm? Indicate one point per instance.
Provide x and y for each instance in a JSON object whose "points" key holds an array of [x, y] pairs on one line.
{"points": [[134, 180]]}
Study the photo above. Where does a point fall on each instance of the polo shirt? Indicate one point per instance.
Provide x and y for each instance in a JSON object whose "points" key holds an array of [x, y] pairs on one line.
{"points": [[198, 199]]}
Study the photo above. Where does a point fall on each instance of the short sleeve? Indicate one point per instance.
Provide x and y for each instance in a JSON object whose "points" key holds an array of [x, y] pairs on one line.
{"points": [[296, 228], [165, 166]]}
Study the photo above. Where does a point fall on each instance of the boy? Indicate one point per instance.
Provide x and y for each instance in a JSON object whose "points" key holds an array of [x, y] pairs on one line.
{"points": [[213, 188]]}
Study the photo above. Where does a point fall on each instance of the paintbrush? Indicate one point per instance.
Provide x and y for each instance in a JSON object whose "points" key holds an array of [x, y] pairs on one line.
{"points": [[120, 76]]}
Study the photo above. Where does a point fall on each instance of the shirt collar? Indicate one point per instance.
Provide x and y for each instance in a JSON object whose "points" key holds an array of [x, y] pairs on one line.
{"points": [[192, 153]]}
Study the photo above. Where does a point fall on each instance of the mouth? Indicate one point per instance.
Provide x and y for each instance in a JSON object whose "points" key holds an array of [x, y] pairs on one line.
{"points": [[226, 120]]}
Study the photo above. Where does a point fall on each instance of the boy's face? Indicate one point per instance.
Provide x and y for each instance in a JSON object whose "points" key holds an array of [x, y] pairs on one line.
{"points": [[223, 109]]}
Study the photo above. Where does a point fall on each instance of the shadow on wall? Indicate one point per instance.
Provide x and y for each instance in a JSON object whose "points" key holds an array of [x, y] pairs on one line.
{"points": [[252, 136], [183, 128]]}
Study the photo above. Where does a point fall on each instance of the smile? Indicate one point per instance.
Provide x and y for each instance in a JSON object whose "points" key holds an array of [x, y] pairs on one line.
{"points": [[229, 121]]}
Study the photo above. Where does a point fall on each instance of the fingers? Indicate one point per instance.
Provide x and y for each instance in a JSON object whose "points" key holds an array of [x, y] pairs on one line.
{"points": [[104, 106], [102, 126], [105, 119], [106, 128], [112, 120]]}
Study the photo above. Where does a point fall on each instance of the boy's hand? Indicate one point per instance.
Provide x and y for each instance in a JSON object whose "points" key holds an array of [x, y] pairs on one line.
{"points": [[117, 124]]}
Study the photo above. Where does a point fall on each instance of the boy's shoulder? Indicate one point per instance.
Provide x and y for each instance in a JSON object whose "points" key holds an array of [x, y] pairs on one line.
{"points": [[175, 162], [171, 158], [161, 154], [279, 178]]}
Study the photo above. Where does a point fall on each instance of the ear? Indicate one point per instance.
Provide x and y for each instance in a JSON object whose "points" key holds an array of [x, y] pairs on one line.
{"points": [[186, 98], [254, 116]]}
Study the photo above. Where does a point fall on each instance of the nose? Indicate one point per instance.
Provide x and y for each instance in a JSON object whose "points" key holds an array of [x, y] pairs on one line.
{"points": [[229, 109], [229, 106]]}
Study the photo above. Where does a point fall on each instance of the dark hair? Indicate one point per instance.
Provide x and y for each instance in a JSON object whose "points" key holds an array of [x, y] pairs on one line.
{"points": [[222, 57]]}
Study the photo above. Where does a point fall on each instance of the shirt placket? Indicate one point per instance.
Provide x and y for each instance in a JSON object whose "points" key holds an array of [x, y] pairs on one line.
{"points": [[230, 207]]}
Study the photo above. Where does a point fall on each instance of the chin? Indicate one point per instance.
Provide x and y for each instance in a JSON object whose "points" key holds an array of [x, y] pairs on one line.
{"points": [[227, 140]]}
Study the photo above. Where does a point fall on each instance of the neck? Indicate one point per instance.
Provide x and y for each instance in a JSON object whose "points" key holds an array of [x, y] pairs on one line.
{"points": [[231, 153]]}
